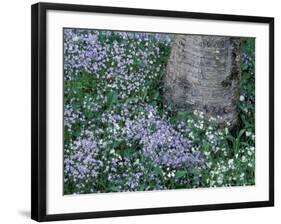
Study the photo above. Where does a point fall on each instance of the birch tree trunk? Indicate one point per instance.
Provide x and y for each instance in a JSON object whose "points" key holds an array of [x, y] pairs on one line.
{"points": [[203, 73]]}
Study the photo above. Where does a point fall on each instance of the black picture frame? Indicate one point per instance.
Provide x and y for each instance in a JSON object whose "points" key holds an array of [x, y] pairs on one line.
{"points": [[39, 108]]}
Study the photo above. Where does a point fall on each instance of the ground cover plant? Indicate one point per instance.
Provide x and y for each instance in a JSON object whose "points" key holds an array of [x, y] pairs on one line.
{"points": [[120, 135]]}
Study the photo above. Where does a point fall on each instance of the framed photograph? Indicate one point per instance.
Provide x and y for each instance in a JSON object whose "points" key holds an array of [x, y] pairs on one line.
{"points": [[140, 111]]}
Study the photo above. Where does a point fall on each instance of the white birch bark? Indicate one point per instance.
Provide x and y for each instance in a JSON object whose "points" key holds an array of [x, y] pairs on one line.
{"points": [[203, 73]]}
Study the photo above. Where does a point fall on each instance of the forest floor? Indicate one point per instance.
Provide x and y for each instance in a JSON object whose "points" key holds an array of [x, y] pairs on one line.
{"points": [[120, 136]]}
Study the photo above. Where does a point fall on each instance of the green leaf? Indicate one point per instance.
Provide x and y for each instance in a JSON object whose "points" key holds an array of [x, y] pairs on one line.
{"points": [[244, 67], [153, 127], [182, 113], [113, 97], [113, 188], [142, 187], [180, 173], [241, 132], [156, 94], [159, 171]]}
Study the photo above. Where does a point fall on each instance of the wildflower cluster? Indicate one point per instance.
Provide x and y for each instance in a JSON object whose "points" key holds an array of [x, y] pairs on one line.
{"points": [[160, 141], [119, 135]]}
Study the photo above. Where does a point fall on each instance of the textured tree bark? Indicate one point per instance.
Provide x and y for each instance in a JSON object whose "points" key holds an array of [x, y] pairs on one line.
{"points": [[203, 73]]}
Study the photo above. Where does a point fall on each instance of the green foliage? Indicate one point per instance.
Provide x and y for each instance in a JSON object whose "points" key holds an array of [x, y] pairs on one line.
{"points": [[229, 154]]}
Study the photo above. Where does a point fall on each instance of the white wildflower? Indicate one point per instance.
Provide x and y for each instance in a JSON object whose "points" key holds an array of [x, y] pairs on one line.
{"points": [[242, 98], [248, 133]]}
